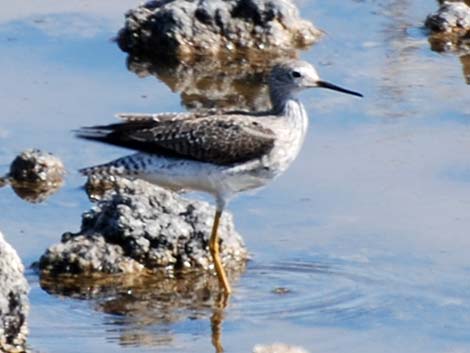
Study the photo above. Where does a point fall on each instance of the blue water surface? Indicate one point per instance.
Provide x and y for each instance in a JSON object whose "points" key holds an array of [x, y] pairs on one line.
{"points": [[367, 233]]}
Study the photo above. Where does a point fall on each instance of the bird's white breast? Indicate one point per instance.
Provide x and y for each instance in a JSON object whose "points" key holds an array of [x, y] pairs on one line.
{"points": [[290, 137], [290, 129]]}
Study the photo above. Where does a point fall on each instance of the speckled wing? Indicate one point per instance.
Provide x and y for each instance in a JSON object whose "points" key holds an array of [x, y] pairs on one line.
{"points": [[220, 139], [140, 117]]}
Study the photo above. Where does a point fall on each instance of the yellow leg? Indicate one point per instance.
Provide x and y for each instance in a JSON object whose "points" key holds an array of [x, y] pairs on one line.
{"points": [[214, 249]]}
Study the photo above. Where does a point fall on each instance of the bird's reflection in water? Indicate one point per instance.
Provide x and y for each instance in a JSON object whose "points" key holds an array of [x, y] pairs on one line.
{"points": [[144, 308], [443, 43], [217, 319]]}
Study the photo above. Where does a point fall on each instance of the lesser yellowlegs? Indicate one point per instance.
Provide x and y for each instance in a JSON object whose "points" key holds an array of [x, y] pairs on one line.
{"points": [[221, 154]]}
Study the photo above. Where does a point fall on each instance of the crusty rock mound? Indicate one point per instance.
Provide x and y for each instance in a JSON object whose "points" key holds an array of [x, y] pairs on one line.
{"points": [[35, 175], [139, 226], [14, 303], [185, 28]]}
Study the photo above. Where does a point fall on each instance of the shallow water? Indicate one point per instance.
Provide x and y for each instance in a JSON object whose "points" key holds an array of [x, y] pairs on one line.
{"points": [[362, 246]]}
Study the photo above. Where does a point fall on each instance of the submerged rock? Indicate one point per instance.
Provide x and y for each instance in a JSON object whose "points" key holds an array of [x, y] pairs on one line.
{"points": [[97, 186], [450, 27], [14, 304], [34, 166], [139, 227], [35, 175], [186, 28]]}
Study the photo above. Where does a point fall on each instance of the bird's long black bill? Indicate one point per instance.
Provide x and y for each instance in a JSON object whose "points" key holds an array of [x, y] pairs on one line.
{"points": [[328, 85]]}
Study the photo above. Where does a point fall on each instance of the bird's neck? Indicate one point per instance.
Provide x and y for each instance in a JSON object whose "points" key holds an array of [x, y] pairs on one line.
{"points": [[286, 105], [279, 99], [293, 119]]}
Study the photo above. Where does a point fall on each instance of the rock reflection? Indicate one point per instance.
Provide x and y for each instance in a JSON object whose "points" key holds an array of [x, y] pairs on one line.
{"points": [[225, 84], [3, 181], [445, 42], [449, 42], [398, 68], [465, 60], [35, 192], [143, 307]]}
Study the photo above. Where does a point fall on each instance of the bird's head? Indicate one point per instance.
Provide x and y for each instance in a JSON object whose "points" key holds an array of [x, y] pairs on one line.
{"points": [[296, 75]]}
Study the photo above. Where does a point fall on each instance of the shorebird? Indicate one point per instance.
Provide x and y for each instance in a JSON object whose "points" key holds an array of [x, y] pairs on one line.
{"points": [[218, 153]]}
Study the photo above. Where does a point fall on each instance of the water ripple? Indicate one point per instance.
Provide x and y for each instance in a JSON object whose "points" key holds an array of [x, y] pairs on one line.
{"points": [[318, 292]]}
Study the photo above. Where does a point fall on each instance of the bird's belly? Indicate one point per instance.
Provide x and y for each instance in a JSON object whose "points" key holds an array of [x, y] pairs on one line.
{"points": [[259, 172], [232, 183], [214, 179], [177, 179]]}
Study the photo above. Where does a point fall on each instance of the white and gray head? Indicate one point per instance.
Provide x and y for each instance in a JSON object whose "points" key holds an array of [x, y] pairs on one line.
{"points": [[289, 77]]}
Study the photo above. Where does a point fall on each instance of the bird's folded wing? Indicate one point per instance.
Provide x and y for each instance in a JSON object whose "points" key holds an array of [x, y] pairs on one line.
{"points": [[219, 140], [139, 117]]}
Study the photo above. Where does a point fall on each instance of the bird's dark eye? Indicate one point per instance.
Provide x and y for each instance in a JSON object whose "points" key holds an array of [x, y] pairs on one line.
{"points": [[296, 74]]}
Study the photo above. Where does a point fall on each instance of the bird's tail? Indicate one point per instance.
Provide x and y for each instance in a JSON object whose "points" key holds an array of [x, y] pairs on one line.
{"points": [[124, 166], [99, 170]]}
